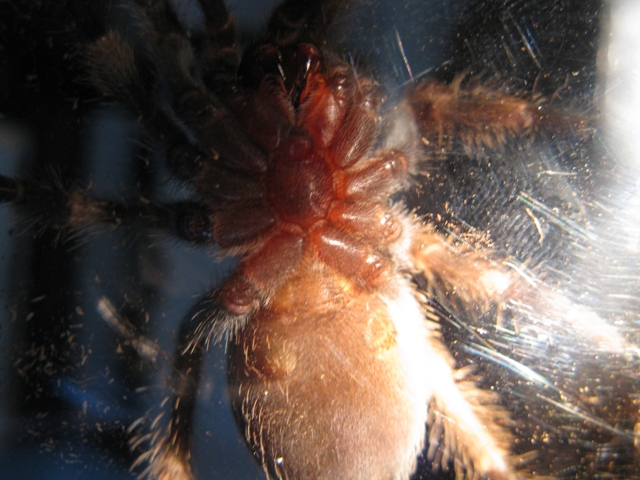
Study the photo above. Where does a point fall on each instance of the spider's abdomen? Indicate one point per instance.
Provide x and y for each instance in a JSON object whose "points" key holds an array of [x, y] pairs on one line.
{"points": [[328, 382]]}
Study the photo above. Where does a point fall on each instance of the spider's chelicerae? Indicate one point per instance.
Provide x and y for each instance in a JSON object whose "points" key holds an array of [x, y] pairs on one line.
{"points": [[341, 316]]}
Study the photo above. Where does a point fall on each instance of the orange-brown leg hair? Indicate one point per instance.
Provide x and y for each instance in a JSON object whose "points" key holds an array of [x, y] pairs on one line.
{"points": [[477, 115], [466, 427]]}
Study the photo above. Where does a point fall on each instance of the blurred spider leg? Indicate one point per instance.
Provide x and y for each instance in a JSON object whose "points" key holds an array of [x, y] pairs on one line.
{"points": [[484, 116], [478, 116], [541, 303], [213, 134], [461, 412], [133, 77], [157, 83], [138, 73], [472, 427], [219, 57], [451, 270], [169, 442], [301, 21], [50, 205], [473, 278]]}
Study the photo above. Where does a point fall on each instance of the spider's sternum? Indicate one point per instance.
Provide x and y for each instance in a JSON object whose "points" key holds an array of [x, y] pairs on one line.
{"points": [[324, 189], [299, 184]]}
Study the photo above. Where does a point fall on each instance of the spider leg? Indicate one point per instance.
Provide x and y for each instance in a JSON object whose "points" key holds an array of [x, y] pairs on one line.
{"points": [[50, 205], [151, 72], [473, 428], [150, 69], [169, 453], [470, 278], [300, 21], [219, 56], [479, 115], [466, 426]]}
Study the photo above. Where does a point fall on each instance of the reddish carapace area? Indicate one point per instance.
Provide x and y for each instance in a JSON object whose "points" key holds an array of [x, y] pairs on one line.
{"points": [[318, 192]]}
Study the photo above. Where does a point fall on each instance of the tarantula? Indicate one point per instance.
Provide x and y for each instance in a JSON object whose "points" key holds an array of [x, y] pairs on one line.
{"points": [[337, 367]]}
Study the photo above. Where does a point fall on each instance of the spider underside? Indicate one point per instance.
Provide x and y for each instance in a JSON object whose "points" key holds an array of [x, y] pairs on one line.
{"points": [[293, 161]]}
